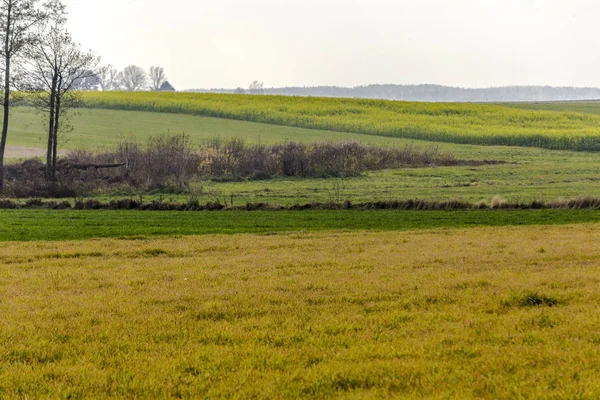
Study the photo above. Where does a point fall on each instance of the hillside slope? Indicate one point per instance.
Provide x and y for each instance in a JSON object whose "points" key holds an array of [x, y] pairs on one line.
{"points": [[443, 122]]}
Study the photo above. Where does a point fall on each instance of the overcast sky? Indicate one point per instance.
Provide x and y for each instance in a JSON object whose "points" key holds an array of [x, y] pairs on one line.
{"points": [[230, 43]]}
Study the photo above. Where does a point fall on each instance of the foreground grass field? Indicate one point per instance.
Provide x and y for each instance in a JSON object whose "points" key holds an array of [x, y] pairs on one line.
{"points": [[439, 314], [53, 225], [444, 122]]}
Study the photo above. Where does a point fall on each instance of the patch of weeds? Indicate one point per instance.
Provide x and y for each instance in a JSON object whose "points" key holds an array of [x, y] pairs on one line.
{"points": [[533, 299], [154, 252]]}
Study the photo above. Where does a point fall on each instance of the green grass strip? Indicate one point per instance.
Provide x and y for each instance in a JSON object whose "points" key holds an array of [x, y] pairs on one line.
{"points": [[30, 225]]}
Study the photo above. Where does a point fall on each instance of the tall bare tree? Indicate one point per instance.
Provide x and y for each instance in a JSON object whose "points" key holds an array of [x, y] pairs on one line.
{"points": [[18, 21], [157, 78], [134, 78], [110, 78], [57, 67]]}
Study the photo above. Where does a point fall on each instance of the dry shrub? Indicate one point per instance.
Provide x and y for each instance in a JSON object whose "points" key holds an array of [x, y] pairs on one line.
{"points": [[167, 161], [234, 159]]}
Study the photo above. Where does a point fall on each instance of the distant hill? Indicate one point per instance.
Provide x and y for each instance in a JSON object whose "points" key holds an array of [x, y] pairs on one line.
{"points": [[433, 93]]}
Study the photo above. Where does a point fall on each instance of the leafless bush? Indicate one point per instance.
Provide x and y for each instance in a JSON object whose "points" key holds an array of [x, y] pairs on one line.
{"points": [[233, 159], [167, 160]]}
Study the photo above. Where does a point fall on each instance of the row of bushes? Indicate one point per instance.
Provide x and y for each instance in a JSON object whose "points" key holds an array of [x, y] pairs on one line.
{"points": [[169, 163], [171, 158], [406, 205]]}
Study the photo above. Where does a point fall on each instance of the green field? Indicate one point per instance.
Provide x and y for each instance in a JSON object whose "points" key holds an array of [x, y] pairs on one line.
{"points": [[97, 128], [28, 225]]}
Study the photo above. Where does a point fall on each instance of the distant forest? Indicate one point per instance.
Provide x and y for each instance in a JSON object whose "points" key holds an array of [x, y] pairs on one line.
{"points": [[431, 93]]}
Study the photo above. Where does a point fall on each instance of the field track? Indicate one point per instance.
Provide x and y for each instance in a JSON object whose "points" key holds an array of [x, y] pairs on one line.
{"points": [[23, 152]]}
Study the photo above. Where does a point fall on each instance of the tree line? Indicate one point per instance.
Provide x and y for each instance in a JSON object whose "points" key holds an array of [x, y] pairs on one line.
{"points": [[42, 63], [132, 79], [427, 93]]}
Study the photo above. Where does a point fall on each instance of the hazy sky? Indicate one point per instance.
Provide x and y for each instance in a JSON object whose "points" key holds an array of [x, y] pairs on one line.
{"points": [[230, 43]]}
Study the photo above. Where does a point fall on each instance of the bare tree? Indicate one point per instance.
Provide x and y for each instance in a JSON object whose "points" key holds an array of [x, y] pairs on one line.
{"points": [[134, 78], [110, 78], [157, 78], [57, 67], [18, 21]]}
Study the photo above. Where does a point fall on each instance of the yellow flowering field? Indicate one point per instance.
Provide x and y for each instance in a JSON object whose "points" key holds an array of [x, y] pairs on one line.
{"points": [[445, 122]]}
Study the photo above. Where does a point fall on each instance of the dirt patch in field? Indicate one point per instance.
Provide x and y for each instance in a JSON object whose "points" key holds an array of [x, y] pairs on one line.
{"points": [[23, 152], [26, 152]]}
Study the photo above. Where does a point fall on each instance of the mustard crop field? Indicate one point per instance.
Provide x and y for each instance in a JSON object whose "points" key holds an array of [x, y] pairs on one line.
{"points": [[501, 312], [582, 106], [443, 122]]}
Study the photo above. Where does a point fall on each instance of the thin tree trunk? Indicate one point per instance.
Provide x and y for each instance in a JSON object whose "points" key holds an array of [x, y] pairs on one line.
{"points": [[6, 104], [52, 106], [55, 144]]}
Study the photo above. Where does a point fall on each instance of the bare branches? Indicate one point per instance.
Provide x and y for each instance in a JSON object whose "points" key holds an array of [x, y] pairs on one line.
{"points": [[19, 22], [157, 78], [110, 78], [134, 78], [57, 67]]}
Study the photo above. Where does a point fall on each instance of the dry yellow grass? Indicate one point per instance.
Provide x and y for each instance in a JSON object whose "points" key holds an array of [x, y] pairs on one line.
{"points": [[481, 313]]}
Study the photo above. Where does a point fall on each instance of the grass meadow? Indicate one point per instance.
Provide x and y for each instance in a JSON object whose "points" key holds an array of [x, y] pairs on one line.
{"points": [[99, 128], [502, 312]]}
